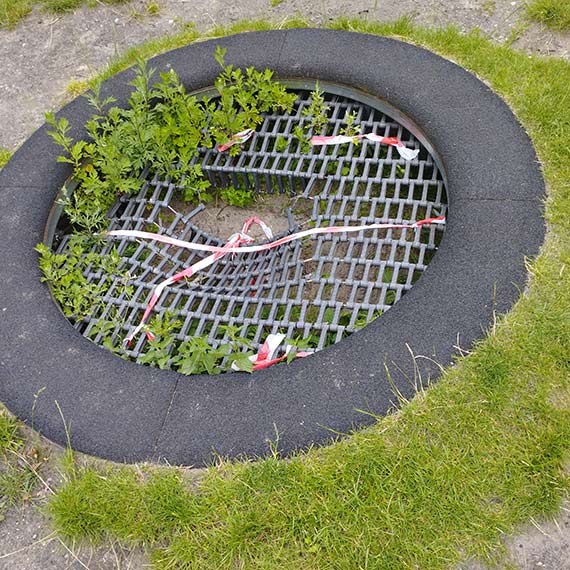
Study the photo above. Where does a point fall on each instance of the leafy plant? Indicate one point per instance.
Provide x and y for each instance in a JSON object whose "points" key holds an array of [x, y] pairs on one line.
{"points": [[351, 129], [314, 121], [300, 134], [160, 131], [159, 350], [106, 328], [317, 111], [299, 344], [196, 356], [65, 274], [242, 198], [243, 98], [281, 144]]}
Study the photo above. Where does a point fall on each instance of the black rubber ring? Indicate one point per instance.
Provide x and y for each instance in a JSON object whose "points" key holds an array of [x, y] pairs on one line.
{"points": [[123, 411]]}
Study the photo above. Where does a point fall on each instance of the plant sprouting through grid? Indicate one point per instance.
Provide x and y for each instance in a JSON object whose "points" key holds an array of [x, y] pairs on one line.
{"points": [[315, 291]]}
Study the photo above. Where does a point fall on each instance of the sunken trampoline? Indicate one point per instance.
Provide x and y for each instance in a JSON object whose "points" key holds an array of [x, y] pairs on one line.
{"points": [[368, 300]]}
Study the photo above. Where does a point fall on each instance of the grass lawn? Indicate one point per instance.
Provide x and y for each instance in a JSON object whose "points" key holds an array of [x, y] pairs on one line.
{"points": [[554, 13], [446, 477]]}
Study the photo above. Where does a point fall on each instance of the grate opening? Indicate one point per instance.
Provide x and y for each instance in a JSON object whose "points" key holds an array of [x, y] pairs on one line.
{"points": [[319, 289]]}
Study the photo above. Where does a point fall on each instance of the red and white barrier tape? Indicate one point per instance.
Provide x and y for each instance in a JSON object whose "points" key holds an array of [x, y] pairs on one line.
{"points": [[234, 241], [238, 138], [405, 152], [234, 245], [276, 243], [266, 355]]}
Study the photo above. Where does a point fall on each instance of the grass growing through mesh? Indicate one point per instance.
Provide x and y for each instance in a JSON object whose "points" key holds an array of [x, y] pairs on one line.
{"points": [[439, 481], [554, 13]]}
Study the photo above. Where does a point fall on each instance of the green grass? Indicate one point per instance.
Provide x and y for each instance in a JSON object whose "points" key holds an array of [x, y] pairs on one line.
{"points": [[445, 478], [17, 483], [9, 439], [183, 38], [17, 475], [62, 6], [554, 13], [188, 35], [5, 156], [12, 11]]}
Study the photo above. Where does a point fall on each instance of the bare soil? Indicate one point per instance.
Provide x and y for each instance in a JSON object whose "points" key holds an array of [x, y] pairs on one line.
{"points": [[45, 53], [221, 220]]}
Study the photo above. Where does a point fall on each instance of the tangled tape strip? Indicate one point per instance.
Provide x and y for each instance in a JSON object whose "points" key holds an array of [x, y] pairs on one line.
{"points": [[403, 151]]}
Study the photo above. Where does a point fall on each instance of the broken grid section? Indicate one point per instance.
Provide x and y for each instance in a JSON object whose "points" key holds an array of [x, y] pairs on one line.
{"points": [[322, 287]]}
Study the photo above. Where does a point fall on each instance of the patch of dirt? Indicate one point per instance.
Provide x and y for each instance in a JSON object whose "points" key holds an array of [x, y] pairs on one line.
{"points": [[28, 543], [44, 54], [222, 221], [544, 545]]}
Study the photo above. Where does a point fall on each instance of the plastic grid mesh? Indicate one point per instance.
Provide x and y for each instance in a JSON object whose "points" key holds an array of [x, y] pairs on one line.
{"points": [[325, 286]]}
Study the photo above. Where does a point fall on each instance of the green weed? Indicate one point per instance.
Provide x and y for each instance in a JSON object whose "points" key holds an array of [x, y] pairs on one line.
{"points": [[5, 156], [12, 11], [18, 465], [62, 6], [489, 7], [553, 13], [65, 274], [164, 136], [194, 355], [9, 438], [149, 9], [152, 8], [351, 129], [16, 484], [159, 350], [240, 197], [314, 120]]}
